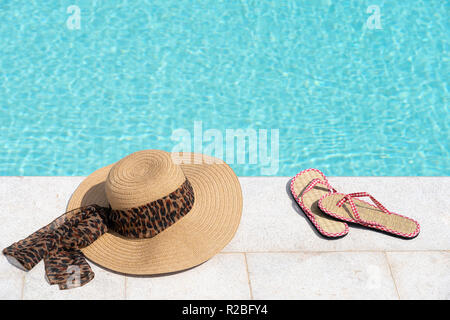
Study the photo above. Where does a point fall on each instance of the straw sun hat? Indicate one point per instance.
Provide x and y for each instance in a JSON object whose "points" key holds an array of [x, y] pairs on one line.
{"points": [[145, 177]]}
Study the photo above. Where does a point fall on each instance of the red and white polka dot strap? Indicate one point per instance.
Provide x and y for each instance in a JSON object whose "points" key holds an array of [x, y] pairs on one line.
{"points": [[349, 197]]}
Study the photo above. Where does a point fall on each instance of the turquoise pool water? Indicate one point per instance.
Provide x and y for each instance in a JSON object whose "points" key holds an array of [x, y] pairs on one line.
{"points": [[345, 98]]}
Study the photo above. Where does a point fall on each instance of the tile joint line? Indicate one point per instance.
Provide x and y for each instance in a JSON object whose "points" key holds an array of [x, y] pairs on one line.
{"points": [[392, 274], [23, 288], [248, 277], [125, 288]]}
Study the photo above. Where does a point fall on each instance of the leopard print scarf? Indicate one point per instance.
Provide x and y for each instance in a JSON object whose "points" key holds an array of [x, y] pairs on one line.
{"points": [[59, 243]]}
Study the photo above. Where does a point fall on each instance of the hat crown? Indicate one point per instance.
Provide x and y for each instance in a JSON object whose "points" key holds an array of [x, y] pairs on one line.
{"points": [[142, 177]]}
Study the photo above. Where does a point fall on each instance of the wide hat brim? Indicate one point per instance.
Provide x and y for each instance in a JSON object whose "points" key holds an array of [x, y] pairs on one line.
{"points": [[195, 238]]}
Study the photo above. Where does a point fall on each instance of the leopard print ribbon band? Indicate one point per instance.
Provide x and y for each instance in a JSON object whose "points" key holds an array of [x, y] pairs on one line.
{"points": [[59, 242]]}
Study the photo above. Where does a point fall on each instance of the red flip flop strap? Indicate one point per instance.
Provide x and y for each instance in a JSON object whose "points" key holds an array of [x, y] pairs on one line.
{"points": [[352, 206], [349, 197], [316, 181], [312, 184]]}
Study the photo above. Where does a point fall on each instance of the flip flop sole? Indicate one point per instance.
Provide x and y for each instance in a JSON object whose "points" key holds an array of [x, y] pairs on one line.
{"points": [[326, 225], [392, 223]]}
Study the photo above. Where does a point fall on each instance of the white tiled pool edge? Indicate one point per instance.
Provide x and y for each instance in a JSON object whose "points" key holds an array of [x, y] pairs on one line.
{"points": [[276, 253]]}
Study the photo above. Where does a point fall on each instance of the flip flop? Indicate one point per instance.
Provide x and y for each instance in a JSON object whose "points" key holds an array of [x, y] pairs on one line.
{"points": [[345, 207], [307, 187]]}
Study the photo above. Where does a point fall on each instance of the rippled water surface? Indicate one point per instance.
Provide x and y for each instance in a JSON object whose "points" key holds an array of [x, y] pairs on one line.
{"points": [[345, 98]]}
